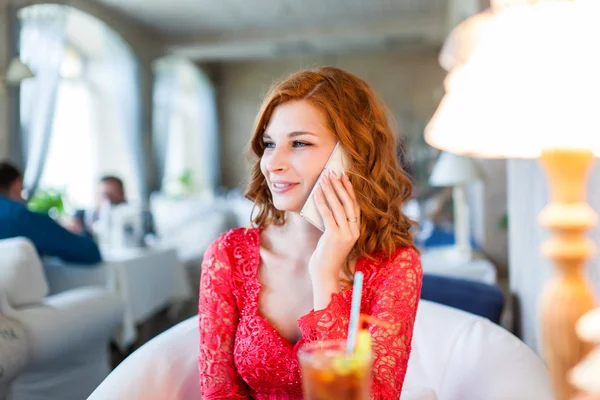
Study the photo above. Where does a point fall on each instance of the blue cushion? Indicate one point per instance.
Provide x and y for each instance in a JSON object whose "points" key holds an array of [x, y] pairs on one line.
{"points": [[471, 296], [440, 237]]}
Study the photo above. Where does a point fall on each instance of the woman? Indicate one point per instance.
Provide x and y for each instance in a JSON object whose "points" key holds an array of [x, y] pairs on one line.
{"points": [[268, 290]]}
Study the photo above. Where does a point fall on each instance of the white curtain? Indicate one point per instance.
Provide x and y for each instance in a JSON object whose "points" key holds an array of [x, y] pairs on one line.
{"points": [[185, 125], [42, 44], [164, 103], [115, 79], [71, 162]]}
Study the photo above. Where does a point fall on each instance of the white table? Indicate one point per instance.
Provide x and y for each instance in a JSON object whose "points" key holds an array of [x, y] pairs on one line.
{"points": [[443, 261], [146, 279]]}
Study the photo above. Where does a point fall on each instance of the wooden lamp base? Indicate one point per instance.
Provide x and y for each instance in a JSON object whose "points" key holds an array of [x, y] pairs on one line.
{"points": [[568, 295]]}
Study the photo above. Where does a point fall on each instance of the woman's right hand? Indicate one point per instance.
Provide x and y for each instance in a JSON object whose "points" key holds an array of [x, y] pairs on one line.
{"points": [[336, 202]]}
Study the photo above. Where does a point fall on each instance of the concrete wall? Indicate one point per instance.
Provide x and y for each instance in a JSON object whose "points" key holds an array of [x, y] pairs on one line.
{"points": [[406, 83], [7, 95]]}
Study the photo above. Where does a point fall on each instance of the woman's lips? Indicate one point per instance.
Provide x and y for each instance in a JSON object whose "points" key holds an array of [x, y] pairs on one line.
{"points": [[281, 187]]}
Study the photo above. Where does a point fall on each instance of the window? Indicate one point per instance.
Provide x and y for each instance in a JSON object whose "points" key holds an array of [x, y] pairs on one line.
{"points": [[88, 122], [71, 163], [185, 129]]}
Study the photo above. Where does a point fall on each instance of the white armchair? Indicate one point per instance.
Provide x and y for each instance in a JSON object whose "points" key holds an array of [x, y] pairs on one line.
{"points": [[66, 335], [455, 356]]}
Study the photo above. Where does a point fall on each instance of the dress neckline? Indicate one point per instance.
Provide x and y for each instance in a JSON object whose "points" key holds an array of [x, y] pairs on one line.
{"points": [[256, 259]]}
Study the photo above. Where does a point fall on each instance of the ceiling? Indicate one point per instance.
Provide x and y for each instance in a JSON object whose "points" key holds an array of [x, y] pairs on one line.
{"points": [[230, 29]]}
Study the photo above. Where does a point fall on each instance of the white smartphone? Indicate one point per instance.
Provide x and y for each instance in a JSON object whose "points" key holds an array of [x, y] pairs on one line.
{"points": [[337, 163]]}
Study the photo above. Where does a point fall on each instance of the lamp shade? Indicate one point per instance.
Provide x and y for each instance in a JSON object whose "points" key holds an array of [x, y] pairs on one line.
{"points": [[462, 40], [529, 81], [451, 170], [17, 71]]}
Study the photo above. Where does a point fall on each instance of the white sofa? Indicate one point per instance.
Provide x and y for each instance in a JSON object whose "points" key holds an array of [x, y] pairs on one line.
{"points": [[67, 335], [456, 356]]}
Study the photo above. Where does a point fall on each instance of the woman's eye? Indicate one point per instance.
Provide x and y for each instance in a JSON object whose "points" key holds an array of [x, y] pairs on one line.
{"points": [[298, 143], [295, 143]]}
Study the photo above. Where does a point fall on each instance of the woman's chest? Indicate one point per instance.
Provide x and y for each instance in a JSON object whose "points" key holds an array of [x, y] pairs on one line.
{"points": [[284, 297], [270, 303], [264, 359]]}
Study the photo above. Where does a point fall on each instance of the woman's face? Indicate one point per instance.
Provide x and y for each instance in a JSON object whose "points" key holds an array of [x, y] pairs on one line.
{"points": [[297, 147]]}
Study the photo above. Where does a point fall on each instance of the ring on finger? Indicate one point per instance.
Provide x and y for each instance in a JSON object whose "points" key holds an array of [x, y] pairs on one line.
{"points": [[352, 220]]}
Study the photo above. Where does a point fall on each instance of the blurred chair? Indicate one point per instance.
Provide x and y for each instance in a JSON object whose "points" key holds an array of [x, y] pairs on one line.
{"points": [[170, 214], [189, 225], [67, 335], [13, 352], [455, 356]]}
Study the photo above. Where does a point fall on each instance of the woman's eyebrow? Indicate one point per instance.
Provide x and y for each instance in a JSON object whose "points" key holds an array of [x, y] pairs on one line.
{"points": [[300, 133], [292, 134]]}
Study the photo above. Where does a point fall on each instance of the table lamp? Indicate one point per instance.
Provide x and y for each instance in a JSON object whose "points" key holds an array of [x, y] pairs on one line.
{"points": [[452, 170], [526, 84]]}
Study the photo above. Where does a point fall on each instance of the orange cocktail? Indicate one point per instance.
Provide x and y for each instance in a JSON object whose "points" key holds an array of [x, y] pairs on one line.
{"points": [[330, 373]]}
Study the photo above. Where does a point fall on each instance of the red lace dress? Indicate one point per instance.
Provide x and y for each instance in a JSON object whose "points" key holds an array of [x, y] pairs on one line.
{"points": [[242, 356]]}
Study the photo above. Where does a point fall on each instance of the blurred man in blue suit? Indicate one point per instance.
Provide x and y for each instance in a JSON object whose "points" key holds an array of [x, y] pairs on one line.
{"points": [[49, 238]]}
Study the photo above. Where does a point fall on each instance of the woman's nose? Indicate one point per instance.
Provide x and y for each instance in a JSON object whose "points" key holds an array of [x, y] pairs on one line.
{"points": [[278, 160]]}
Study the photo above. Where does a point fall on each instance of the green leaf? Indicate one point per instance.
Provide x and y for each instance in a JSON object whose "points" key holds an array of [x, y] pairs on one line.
{"points": [[46, 200], [186, 179]]}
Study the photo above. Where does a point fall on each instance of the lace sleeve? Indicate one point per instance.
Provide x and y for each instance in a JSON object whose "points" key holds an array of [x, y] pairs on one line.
{"points": [[329, 323], [395, 297], [396, 300], [218, 314]]}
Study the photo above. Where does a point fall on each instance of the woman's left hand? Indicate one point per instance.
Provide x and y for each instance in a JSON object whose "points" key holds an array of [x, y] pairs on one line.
{"points": [[336, 202]]}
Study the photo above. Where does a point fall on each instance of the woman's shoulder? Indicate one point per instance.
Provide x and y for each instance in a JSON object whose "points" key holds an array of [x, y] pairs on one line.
{"points": [[402, 259], [235, 243], [401, 254], [237, 236], [405, 259], [405, 254], [394, 275]]}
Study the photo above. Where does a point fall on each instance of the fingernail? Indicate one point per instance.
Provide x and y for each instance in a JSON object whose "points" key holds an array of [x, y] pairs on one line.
{"points": [[333, 173]]}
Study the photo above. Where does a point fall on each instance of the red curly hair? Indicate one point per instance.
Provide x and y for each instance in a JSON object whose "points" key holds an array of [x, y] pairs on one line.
{"points": [[361, 124]]}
